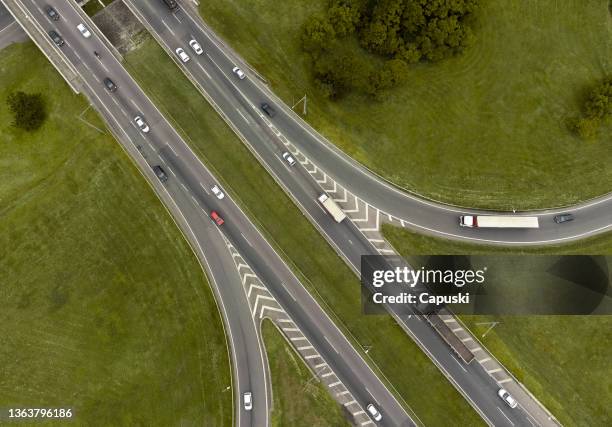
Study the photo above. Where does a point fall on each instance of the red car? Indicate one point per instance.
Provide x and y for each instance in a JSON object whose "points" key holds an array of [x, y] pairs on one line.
{"points": [[217, 218]]}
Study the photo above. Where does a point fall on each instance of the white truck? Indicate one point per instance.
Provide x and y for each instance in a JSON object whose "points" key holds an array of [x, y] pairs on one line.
{"points": [[498, 221], [332, 208]]}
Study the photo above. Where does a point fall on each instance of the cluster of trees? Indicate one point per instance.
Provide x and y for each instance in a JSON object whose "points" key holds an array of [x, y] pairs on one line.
{"points": [[401, 32], [597, 108], [28, 110]]}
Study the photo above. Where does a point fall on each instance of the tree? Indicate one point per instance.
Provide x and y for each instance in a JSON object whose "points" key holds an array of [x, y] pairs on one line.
{"points": [[28, 110], [344, 17], [317, 33]]}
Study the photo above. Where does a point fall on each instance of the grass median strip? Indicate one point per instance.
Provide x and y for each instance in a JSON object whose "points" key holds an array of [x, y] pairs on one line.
{"points": [[105, 309], [298, 399], [563, 360], [416, 380], [486, 128]]}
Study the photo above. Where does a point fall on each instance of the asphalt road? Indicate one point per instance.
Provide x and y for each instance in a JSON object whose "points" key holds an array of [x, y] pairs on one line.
{"points": [[187, 196], [591, 217], [10, 30], [239, 101]]}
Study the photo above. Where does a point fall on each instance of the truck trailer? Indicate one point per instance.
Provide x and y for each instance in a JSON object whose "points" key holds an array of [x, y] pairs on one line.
{"points": [[498, 221], [332, 208]]}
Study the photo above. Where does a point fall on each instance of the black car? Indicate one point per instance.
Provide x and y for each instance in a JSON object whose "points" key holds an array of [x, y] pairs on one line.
{"points": [[52, 13], [110, 85], [559, 219], [56, 38], [267, 109], [161, 174]]}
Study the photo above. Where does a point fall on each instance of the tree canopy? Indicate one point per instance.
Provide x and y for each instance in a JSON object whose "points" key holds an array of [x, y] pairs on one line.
{"points": [[400, 31], [28, 110]]}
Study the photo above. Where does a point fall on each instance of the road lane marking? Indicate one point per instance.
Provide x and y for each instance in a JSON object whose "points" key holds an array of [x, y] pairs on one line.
{"points": [[242, 115], [168, 28], [204, 70], [171, 149], [246, 240], [135, 105], [204, 188], [288, 291], [330, 344], [505, 416]]}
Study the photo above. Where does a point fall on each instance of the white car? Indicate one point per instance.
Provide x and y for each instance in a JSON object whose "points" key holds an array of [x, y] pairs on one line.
{"points": [[239, 73], [84, 31], [247, 400], [196, 47], [376, 416], [142, 125], [217, 192], [507, 397], [289, 158], [181, 54]]}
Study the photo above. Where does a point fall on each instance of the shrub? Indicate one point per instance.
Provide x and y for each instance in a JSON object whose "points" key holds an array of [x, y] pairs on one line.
{"points": [[28, 110]]}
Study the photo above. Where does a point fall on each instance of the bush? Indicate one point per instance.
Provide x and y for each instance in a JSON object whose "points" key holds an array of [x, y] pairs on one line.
{"points": [[28, 110], [597, 108], [403, 31]]}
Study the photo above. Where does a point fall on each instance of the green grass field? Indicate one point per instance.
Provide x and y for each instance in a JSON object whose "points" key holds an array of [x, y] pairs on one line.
{"points": [[563, 360], [486, 128], [298, 400], [105, 308], [415, 378]]}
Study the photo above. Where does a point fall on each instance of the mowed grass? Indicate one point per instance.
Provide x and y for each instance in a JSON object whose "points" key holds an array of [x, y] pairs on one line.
{"points": [[105, 309], [563, 360], [298, 398], [486, 128], [416, 380]]}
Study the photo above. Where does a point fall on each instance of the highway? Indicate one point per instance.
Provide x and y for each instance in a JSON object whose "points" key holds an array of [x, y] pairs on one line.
{"points": [[592, 217], [238, 101], [187, 196]]}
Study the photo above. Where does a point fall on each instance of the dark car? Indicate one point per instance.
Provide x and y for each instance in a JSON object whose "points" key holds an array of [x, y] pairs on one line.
{"points": [[560, 219], [267, 109], [161, 174], [110, 85], [52, 13], [56, 38]]}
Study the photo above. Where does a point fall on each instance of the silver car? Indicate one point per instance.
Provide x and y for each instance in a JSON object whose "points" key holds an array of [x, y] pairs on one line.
{"points": [[217, 192], [142, 125], [181, 54], [507, 397]]}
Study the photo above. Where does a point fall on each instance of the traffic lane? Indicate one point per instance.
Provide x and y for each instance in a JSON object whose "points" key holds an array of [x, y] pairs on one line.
{"points": [[316, 326], [251, 375]]}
